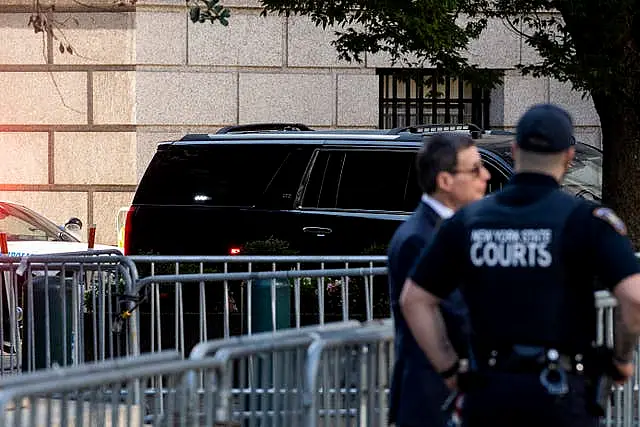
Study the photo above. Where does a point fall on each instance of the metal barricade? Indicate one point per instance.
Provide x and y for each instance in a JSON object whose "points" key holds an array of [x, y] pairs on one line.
{"points": [[347, 377], [262, 378], [108, 397], [43, 377], [622, 409], [64, 310], [261, 384], [209, 348], [280, 290], [270, 372], [234, 298]]}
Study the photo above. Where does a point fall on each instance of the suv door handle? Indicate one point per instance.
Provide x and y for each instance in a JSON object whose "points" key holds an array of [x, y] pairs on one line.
{"points": [[317, 230]]}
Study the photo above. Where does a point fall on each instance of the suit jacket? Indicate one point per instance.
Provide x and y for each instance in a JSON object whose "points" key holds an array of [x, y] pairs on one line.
{"points": [[417, 390]]}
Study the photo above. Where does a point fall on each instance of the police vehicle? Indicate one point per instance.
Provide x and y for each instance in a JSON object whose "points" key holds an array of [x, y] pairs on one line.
{"points": [[30, 233], [337, 192]]}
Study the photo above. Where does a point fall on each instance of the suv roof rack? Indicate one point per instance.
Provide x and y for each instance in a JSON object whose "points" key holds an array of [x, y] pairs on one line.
{"points": [[427, 127], [501, 132], [260, 127], [475, 130]]}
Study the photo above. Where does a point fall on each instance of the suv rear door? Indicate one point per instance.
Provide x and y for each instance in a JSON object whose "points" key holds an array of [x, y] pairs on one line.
{"points": [[355, 198]]}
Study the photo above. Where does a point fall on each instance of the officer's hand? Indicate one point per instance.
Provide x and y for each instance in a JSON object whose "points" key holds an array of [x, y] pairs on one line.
{"points": [[626, 371]]}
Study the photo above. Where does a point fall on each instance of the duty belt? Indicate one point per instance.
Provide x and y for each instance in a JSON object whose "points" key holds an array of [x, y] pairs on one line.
{"points": [[530, 359], [549, 364]]}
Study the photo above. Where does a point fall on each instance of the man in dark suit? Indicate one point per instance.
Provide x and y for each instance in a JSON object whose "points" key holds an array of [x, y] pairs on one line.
{"points": [[450, 174]]}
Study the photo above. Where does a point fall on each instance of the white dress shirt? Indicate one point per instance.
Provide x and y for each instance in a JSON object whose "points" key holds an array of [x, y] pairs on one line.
{"points": [[443, 211]]}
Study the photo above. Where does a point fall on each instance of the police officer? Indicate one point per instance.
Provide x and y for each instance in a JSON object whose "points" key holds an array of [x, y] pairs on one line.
{"points": [[526, 259]]}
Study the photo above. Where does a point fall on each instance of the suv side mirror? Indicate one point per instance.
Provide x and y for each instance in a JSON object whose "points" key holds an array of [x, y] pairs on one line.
{"points": [[73, 226]]}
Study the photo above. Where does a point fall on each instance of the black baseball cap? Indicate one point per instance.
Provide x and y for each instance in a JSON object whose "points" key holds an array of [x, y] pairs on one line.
{"points": [[545, 128]]}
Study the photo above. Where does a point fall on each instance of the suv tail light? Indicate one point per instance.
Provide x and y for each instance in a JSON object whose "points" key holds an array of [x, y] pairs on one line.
{"points": [[126, 244]]}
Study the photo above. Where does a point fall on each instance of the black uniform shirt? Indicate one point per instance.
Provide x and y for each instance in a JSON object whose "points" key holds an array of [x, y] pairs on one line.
{"points": [[594, 246]]}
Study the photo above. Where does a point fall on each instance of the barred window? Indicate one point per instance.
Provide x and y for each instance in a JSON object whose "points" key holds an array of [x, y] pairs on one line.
{"points": [[412, 97]]}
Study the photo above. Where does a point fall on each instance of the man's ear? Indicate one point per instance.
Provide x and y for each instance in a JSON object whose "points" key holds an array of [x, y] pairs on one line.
{"points": [[444, 181], [569, 156]]}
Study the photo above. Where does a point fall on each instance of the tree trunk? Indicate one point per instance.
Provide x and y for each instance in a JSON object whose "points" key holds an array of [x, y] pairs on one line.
{"points": [[620, 123]]}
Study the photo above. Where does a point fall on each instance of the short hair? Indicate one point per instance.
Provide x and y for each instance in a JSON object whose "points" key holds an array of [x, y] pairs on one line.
{"points": [[439, 153]]}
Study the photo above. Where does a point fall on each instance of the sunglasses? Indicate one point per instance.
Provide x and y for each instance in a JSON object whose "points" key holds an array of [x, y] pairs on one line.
{"points": [[475, 171]]}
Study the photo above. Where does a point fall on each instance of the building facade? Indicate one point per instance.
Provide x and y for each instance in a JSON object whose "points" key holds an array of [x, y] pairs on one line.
{"points": [[78, 129]]}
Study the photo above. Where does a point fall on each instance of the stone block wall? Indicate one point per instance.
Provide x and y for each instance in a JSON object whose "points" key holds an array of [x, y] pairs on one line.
{"points": [[67, 122]]}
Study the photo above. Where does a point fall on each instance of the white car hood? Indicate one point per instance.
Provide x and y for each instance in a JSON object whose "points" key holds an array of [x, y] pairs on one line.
{"points": [[41, 247]]}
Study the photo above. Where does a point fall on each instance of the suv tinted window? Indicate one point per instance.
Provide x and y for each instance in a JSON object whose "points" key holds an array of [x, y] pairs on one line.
{"points": [[218, 175], [374, 180], [414, 192], [282, 190], [320, 191], [367, 180]]}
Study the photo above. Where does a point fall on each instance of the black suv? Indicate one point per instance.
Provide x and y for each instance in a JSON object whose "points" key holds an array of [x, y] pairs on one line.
{"points": [[323, 192]]}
